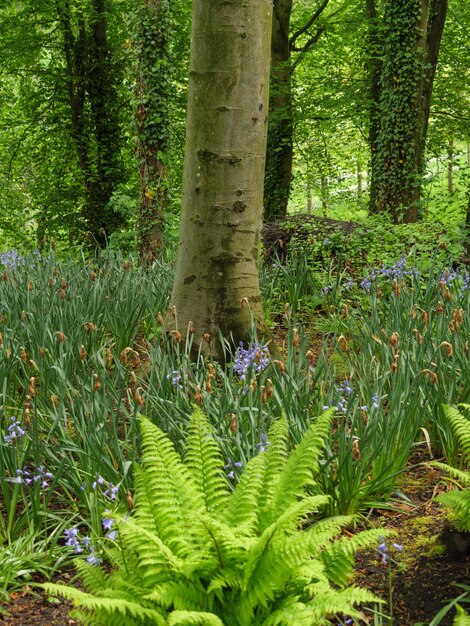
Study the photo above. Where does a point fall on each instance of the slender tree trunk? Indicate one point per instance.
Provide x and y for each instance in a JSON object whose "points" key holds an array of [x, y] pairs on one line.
{"points": [[101, 87], [450, 165], [412, 36], [309, 199], [374, 67], [324, 193], [94, 125], [216, 290], [154, 87], [279, 152], [359, 181]]}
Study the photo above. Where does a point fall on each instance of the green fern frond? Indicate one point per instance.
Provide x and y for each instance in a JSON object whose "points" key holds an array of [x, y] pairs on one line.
{"points": [[292, 549], [301, 466], [338, 557], [107, 605], [242, 509], [461, 427], [276, 458], [204, 461], [181, 595], [461, 476], [224, 544], [94, 579], [332, 602], [156, 560], [459, 503], [188, 618], [176, 497], [462, 618]]}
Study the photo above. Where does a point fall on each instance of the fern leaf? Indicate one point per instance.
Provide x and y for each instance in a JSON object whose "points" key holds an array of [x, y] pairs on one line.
{"points": [[461, 427], [242, 509], [204, 461], [156, 560], [338, 558], [94, 578], [302, 465], [459, 503], [462, 618], [276, 458], [107, 605], [461, 476], [188, 618], [176, 497]]}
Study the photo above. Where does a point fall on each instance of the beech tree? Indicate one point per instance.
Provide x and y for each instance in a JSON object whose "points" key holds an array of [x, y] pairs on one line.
{"points": [[216, 290]]}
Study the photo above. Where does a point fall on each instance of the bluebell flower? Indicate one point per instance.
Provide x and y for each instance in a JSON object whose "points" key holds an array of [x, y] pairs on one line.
{"points": [[14, 431], [92, 559], [255, 357], [263, 444], [107, 523]]}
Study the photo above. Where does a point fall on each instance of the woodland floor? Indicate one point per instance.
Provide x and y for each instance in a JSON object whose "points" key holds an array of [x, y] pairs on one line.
{"points": [[424, 577]]}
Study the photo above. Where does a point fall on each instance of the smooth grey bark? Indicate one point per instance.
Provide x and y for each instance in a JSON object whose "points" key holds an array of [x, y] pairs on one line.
{"points": [[216, 290]]}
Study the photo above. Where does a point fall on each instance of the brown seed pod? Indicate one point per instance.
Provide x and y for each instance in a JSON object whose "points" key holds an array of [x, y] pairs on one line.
{"points": [[296, 339], [233, 422], [280, 364], [448, 347], [345, 312], [394, 340], [92, 276], [60, 336], [82, 352], [138, 397], [432, 376], [355, 450], [23, 354], [55, 400], [23, 316], [198, 395], [419, 336], [159, 318], [97, 383]]}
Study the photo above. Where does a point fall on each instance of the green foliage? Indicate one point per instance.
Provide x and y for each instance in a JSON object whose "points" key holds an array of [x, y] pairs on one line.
{"points": [[194, 553], [458, 501], [462, 618]]}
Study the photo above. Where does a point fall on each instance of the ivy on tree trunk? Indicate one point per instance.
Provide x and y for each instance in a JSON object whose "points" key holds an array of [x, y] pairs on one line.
{"points": [[411, 34]]}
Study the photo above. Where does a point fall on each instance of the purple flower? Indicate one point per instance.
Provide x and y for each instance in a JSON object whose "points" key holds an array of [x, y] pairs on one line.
{"points": [[99, 481], [107, 523], [263, 444], [255, 357], [112, 535], [14, 431], [375, 401], [92, 559]]}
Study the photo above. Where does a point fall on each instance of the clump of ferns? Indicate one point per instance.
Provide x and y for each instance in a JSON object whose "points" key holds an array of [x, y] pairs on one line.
{"points": [[196, 552], [458, 501]]}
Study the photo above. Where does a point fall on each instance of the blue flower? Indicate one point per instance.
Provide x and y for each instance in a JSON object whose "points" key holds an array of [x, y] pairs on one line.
{"points": [[255, 357], [107, 523], [263, 444]]}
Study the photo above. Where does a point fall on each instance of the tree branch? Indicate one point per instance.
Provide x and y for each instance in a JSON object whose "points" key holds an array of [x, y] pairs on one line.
{"points": [[303, 29]]}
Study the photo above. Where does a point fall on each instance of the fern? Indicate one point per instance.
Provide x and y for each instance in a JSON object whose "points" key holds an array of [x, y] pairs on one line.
{"points": [[462, 618], [458, 501], [195, 554]]}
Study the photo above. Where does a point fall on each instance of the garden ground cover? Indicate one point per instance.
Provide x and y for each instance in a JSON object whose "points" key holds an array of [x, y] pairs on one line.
{"points": [[83, 353]]}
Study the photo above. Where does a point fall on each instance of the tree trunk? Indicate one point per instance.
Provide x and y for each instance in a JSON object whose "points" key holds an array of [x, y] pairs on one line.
{"points": [[101, 86], [325, 194], [278, 175], [153, 93], [412, 36], [374, 67], [216, 290], [450, 163], [94, 127], [309, 199]]}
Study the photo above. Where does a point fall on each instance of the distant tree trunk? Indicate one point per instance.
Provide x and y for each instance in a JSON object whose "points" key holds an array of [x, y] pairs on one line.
{"points": [[359, 181], [216, 290], [278, 174], [91, 88], [374, 67], [325, 194], [153, 94], [412, 34], [450, 164], [309, 199], [102, 91]]}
